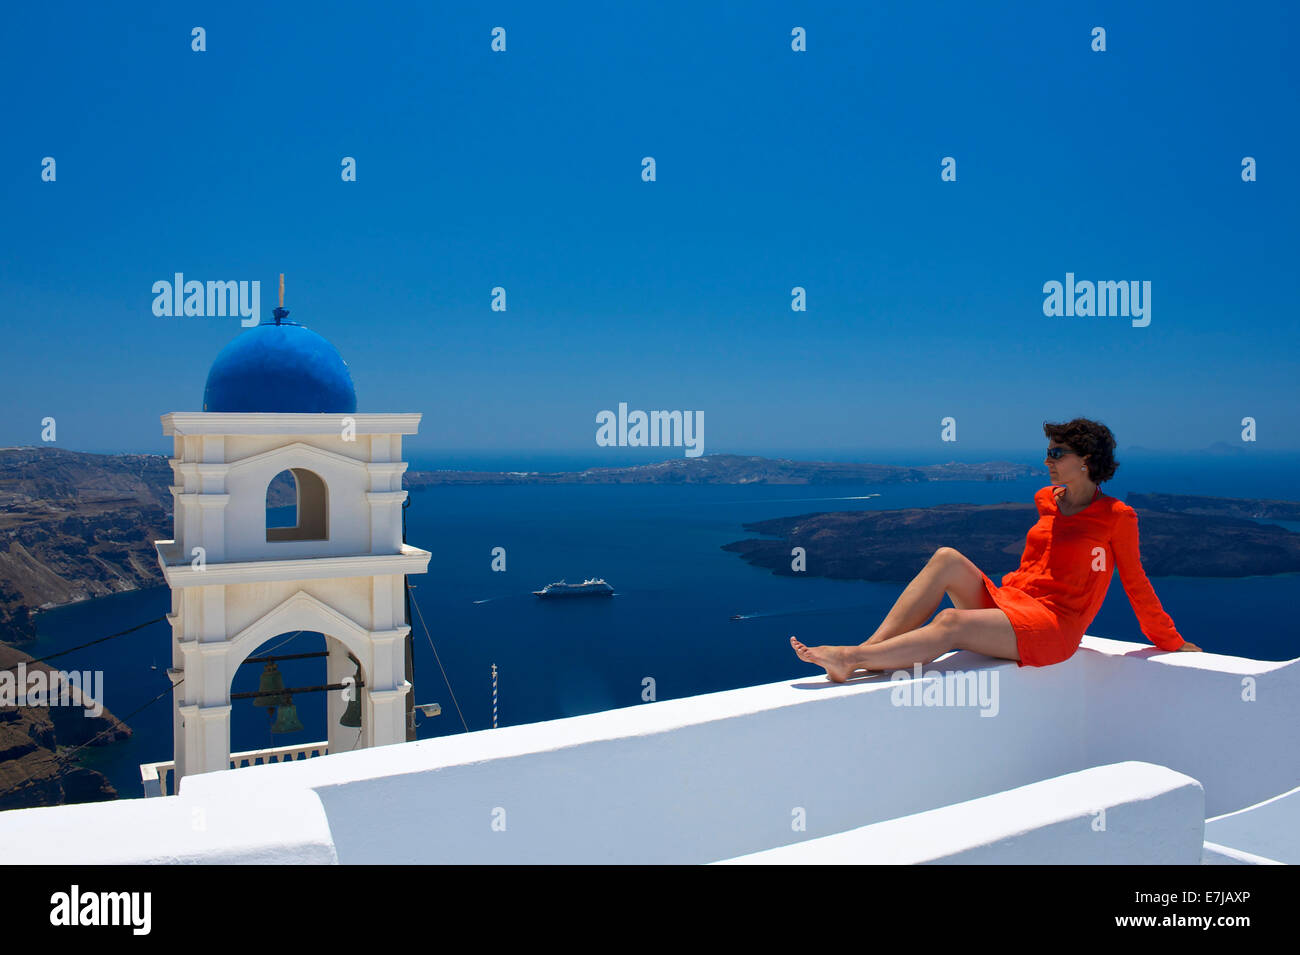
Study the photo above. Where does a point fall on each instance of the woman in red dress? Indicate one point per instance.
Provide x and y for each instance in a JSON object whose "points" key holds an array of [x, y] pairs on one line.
{"points": [[1040, 613]]}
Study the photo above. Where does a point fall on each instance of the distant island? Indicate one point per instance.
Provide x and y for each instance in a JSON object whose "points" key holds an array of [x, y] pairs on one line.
{"points": [[893, 545], [736, 469], [1216, 506]]}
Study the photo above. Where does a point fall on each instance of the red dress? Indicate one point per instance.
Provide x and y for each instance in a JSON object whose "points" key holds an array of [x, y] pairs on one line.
{"points": [[1064, 574]]}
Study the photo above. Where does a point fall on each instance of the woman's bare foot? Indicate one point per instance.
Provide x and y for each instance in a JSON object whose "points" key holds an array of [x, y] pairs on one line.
{"points": [[837, 661]]}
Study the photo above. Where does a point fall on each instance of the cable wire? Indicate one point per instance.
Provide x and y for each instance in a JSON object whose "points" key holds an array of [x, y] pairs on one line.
{"points": [[122, 719], [120, 633], [428, 637]]}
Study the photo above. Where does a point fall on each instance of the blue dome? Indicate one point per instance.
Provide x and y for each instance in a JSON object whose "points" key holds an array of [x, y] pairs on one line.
{"points": [[280, 367]]}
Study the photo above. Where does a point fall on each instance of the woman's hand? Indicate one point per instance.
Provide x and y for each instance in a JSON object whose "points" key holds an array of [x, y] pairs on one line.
{"points": [[1190, 646]]}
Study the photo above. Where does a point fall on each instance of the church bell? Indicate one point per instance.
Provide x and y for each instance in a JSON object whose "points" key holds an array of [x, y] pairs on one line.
{"points": [[352, 715], [286, 718], [270, 689]]}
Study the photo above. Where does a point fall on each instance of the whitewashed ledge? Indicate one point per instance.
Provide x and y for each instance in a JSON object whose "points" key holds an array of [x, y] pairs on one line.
{"points": [[1125, 814], [722, 775], [278, 827], [1268, 832]]}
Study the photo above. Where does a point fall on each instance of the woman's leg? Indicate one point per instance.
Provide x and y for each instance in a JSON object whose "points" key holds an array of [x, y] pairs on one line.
{"points": [[948, 571], [986, 631]]}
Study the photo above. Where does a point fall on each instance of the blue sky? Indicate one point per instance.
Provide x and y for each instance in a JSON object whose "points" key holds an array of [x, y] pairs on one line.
{"points": [[774, 169]]}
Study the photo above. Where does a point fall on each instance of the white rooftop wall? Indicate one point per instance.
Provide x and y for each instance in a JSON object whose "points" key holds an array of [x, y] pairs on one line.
{"points": [[1230, 722], [722, 775]]}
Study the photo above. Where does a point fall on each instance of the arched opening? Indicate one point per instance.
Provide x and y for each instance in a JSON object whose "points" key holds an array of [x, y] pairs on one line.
{"points": [[305, 703], [297, 508]]}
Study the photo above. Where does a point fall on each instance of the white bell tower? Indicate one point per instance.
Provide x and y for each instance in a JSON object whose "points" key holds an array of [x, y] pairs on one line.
{"points": [[280, 398]]}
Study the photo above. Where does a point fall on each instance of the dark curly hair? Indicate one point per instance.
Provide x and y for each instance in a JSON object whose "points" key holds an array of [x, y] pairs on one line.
{"points": [[1090, 439]]}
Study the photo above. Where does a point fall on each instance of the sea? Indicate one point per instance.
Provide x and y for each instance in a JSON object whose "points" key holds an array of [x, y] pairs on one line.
{"points": [[669, 631]]}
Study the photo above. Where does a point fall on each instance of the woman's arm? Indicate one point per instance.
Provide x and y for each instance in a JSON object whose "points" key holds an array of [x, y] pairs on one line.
{"points": [[1156, 624]]}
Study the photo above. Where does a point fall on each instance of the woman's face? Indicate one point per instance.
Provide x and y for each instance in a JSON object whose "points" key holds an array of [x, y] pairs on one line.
{"points": [[1067, 464]]}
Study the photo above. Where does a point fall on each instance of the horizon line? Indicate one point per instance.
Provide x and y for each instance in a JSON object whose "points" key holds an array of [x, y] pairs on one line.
{"points": [[1220, 448]]}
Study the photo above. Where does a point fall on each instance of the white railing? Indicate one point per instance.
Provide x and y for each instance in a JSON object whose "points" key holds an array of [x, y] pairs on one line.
{"points": [[279, 754], [156, 778]]}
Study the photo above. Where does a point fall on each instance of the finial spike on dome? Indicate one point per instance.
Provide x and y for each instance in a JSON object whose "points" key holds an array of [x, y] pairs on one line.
{"points": [[281, 312]]}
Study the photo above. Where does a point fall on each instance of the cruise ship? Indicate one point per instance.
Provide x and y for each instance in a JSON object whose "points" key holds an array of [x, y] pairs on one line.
{"points": [[592, 586]]}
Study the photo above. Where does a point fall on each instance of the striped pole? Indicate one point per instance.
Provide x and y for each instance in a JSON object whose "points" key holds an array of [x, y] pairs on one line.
{"points": [[494, 696]]}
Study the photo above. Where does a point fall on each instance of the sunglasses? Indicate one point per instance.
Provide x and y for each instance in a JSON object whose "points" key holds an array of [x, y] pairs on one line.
{"points": [[1057, 453]]}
